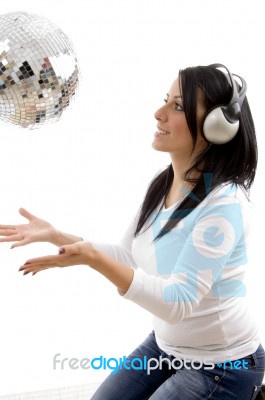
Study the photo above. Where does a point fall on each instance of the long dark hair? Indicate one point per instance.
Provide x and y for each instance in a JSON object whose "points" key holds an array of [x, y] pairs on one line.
{"points": [[233, 162]]}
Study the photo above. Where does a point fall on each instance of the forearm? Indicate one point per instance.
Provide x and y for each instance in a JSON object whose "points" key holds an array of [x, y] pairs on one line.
{"points": [[59, 238], [116, 272]]}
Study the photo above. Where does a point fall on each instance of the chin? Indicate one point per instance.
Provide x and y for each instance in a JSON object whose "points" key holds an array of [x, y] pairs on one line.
{"points": [[159, 147]]}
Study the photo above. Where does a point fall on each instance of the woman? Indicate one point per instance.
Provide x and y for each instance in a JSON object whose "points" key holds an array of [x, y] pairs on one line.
{"points": [[184, 255]]}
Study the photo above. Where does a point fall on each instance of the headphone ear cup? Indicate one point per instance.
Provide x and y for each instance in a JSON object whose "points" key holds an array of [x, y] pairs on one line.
{"points": [[217, 129]]}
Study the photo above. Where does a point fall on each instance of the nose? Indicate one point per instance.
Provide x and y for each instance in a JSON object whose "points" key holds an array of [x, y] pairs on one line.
{"points": [[160, 114]]}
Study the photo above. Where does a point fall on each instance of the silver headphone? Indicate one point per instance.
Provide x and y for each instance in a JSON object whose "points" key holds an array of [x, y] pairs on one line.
{"points": [[221, 123]]}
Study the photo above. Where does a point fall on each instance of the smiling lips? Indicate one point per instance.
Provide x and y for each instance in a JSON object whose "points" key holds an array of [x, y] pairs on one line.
{"points": [[161, 132]]}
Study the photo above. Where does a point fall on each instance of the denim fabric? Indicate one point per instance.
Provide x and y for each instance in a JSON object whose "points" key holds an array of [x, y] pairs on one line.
{"points": [[183, 384]]}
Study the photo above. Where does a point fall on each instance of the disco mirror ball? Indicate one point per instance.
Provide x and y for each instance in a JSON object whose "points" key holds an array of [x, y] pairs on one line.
{"points": [[39, 73]]}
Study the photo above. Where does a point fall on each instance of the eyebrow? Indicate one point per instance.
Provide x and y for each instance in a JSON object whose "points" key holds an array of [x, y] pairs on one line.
{"points": [[175, 97]]}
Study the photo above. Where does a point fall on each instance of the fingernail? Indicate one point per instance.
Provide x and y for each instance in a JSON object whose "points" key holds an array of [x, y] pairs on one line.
{"points": [[61, 251]]}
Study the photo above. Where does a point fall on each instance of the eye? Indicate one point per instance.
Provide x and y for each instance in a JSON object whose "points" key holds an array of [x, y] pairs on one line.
{"points": [[178, 107]]}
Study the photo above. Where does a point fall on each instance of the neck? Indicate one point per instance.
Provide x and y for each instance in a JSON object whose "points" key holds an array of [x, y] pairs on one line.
{"points": [[180, 165]]}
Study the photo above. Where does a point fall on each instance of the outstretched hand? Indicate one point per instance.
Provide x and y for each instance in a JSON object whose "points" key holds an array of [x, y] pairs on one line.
{"points": [[37, 230], [80, 253]]}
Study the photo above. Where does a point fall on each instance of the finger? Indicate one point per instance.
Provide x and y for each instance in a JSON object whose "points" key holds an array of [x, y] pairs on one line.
{"points": [[42, 260], [13, 238], [71, 249], [33, 272], [22, 242], [26, 214], [7, 231], [41, 269], [35, 267], [7, 226], [52, 261]]}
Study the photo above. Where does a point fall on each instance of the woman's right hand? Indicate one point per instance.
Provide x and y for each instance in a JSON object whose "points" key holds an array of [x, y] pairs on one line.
{"points": [[36, 230]]}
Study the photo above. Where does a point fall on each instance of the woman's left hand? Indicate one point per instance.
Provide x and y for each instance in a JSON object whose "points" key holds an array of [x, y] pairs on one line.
{"points": [[79, 253]]}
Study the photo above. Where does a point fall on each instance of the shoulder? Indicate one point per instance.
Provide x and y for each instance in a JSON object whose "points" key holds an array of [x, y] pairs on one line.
{"points": [[227, 202], [227, 193]]}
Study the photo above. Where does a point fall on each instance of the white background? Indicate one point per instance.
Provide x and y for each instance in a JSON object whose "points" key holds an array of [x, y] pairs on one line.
{"points": [[87, 174]]}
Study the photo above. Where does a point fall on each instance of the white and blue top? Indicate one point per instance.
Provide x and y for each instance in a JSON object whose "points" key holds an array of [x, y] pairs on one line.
{"points": [[191, 279]]}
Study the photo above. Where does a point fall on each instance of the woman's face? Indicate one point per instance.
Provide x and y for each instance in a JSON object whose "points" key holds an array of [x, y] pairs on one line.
{"points": [[173, 134]]}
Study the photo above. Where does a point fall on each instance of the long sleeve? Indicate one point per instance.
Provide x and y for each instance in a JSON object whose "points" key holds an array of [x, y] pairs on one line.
{"points": [[203, 257], [191, 279]]}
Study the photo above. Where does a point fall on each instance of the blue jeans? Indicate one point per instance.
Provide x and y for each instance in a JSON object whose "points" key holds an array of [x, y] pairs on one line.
{"points": [[165, 383]]}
